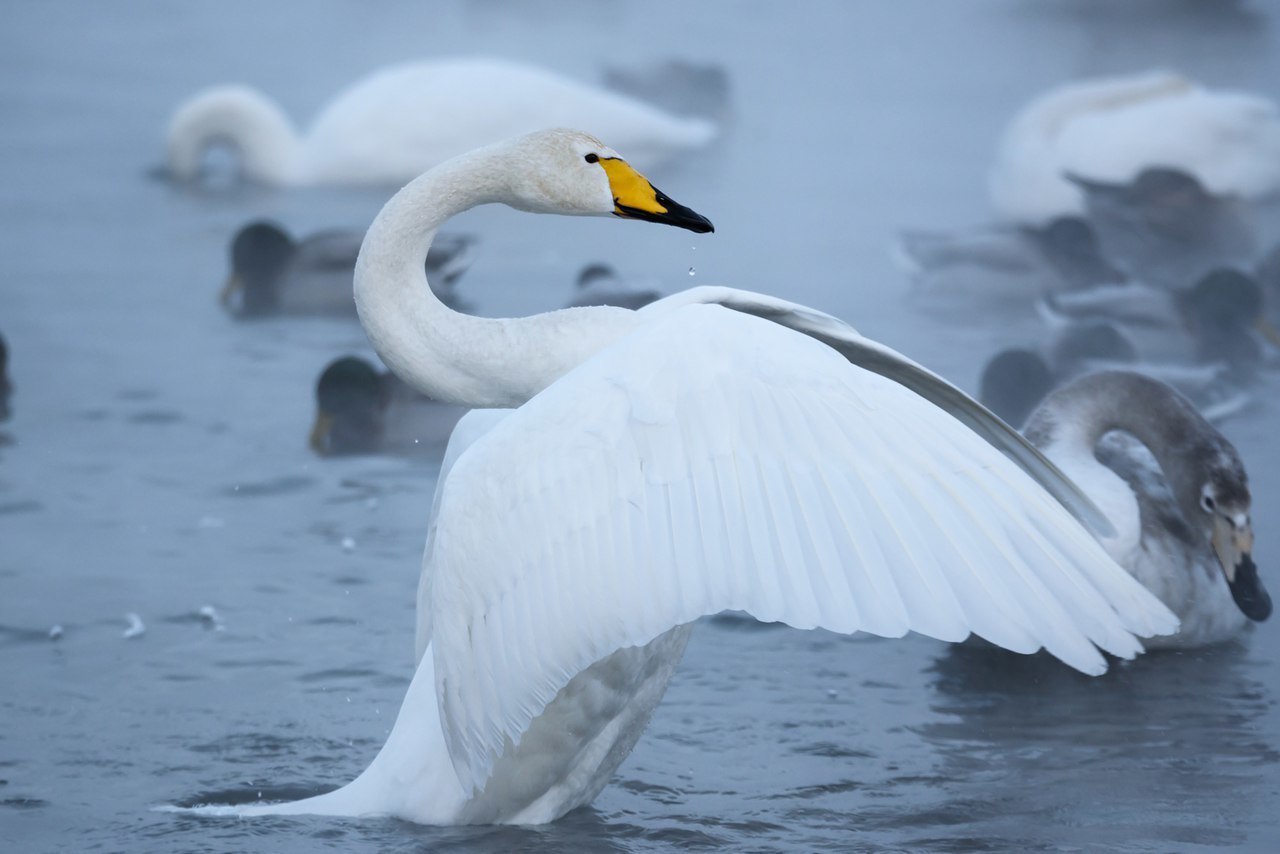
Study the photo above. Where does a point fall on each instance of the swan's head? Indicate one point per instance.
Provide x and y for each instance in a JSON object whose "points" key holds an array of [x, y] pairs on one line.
{"points": [[570, 172], [351, 405], [1224, 505]]}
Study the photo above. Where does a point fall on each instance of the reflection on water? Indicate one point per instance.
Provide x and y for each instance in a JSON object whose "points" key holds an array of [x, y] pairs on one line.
{"points": [[1146, 751]]}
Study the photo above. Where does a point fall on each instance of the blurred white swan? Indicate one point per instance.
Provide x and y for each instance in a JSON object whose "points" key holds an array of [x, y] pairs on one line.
{"points": [[391, 125], [1109, 129], [1174, 488], [716, 449]]}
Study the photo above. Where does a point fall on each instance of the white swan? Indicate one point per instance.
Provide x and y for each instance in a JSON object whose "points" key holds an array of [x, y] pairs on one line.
{"points": [[1175, 489], [716, 449], [1109, 129], [401, 120]]}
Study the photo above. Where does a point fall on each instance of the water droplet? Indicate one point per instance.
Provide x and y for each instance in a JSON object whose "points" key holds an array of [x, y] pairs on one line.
{"points": [[692, 272]]}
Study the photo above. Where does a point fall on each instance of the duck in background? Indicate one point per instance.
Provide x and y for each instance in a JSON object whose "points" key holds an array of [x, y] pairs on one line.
{"points": [[396, 122], [1175, 490], [1219, 319], [600, 284], [1010, 263], [362, 410], [1164, 228], [1110, 129], [683, 87], [273, 273], [6, 386], [1014, 381]]}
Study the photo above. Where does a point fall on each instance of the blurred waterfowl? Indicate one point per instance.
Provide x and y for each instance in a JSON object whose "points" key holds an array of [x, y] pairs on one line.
{"points": [[715, 449], [361, 410], [1220, 319], [389, 126], [1014, 381], [1110, 129], [1164, 228], [1175, 490], [600, 284], [6, 386], [681, 86], [1019, 263], [272, 273]]}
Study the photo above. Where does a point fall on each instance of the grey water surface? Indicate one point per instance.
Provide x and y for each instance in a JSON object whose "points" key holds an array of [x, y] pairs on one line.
{"points": [[156, 462]]}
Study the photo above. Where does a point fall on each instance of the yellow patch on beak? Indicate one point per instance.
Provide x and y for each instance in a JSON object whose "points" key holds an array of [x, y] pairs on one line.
{"points": [[233, 286], [319, 439], [631, 190], [635, 198]]}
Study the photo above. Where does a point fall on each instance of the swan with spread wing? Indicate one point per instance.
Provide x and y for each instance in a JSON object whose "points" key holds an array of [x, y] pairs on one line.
{"points": [[631, 471]]}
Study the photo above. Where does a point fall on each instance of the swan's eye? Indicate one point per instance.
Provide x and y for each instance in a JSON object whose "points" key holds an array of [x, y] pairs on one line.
{"points": [[1207, 502], [592, 158]]}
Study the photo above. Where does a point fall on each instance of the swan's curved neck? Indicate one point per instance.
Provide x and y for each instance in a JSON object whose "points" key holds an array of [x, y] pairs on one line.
{"points": [[269, 147], [1075, 417], [457, 358]]}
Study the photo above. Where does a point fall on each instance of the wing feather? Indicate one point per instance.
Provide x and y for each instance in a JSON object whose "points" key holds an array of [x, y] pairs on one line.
{"points": [[771, 476]]}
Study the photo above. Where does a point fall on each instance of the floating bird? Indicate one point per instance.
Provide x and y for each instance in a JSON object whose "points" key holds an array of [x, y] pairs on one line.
{"points": [[1164, 228], [1018, 263], [715, 449], [685, 88], [6, 386], [1110, 129], [1220, 319], [1015, 380], [600, 284], [272, 273], [1175, 490], [393, 124], [361, 410]]}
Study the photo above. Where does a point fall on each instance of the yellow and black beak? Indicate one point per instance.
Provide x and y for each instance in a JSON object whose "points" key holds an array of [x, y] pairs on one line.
{"points": [[635, 198], [319, 438], [234, 286], [1233, 545]]}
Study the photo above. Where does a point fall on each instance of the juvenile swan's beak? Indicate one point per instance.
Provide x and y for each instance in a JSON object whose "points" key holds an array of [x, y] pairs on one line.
{"points": [[1234, 546], [635, 198]]}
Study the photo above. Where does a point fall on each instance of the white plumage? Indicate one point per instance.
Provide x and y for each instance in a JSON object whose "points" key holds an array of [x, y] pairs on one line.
{"points": [[1109, 129], [391, 125], [717, 449]]}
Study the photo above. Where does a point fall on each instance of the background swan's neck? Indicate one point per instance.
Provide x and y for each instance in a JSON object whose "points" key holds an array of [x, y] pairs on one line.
{"points": [[475, 361], [269, 148], [1075, 417]]}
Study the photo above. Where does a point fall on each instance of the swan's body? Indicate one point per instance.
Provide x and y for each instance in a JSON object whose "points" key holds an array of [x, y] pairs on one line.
{"points": [[1109, 129], [388, 127], [1175, 490], [272, 273], [716, 449]]}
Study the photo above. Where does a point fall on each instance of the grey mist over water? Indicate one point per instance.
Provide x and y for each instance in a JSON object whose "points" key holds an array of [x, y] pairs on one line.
{"points": [[156, 461]]}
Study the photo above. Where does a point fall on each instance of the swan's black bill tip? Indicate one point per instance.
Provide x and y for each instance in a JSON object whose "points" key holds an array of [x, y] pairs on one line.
{"points": [[1250, 596]]}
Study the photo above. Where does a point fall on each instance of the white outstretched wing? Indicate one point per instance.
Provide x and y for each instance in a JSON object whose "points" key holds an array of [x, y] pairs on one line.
{"points": [[874, 356], [714, 460]]}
